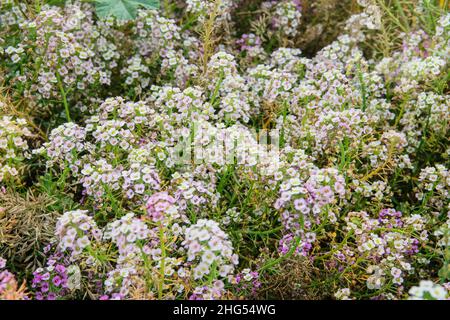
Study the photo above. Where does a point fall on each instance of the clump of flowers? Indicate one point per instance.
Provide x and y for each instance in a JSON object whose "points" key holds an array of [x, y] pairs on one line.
{"points": [[247, 282], [427, 290], [66, 50], [194, 194], [14, 148], [304, 201], [76, 231], [11, 13], [342, 294], [286, 17], [434, 187], [209, 249], [161, 206], [9, 288], [250, 45], [388, 243], [215, 291], [64, 145], [125, 232], [203, 154], [50, 283]]}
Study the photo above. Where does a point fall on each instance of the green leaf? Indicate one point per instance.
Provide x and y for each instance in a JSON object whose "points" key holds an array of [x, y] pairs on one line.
{"points": [[123, 9], [55, 2]]}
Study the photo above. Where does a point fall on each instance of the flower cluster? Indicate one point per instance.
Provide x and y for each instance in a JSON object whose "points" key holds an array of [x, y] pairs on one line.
{"points": [[75, 231], [214, 292], [427, 290], [250, 45], [202, 9], [14, 148], [9, 288], [209, 249], [247, 281], [11, 13], [342, 294], [434, 187], [203, 154], [303, 201], [193, 194], [126, 231], [161, 206], [66, 49], [50, 282], [388, 243], [286, 17], [64, 145]]}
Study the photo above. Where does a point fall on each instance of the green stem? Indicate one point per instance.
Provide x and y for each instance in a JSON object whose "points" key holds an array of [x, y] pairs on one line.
{"points": [[363, 89], [64, 97], [280, 259], [162, 267]]}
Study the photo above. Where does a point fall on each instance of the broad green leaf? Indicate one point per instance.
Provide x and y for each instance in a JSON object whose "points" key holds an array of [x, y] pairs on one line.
{"points": [[123, 9]]}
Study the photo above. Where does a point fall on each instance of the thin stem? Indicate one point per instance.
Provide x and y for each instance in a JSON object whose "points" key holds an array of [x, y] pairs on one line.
{"points": [[280, 259], [163, 258], [64, 97]]}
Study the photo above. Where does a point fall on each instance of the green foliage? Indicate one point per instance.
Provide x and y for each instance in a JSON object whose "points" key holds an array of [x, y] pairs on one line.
{"points": [[123, 9]]}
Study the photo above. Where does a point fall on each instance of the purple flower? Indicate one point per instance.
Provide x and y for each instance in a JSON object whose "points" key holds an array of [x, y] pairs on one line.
{"points": [[60, 268], [37, 278], [51, 296], [56, 281], [45, 276], [45, 287]]}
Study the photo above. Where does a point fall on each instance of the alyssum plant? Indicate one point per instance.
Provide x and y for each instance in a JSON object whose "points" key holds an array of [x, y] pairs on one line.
{"points": [[192, 150]]}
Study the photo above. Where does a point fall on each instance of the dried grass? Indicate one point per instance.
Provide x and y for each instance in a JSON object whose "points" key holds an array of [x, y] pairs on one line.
{"points": [[26, 226], [292, 280]]}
